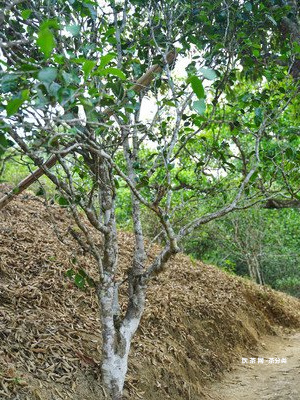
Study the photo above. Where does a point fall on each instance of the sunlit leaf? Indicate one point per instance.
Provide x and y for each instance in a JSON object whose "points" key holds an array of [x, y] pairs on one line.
{"points": [[256, 52], [88, 67], [113, 71], [26, 14], [46, 41], [104, 60], [13, 106]]}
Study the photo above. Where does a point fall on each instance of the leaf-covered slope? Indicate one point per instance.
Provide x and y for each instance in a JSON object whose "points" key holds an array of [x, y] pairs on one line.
{"points": [[197, 320]]}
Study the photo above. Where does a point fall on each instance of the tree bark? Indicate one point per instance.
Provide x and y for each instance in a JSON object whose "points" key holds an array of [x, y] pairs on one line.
{"points": [[117, 339], [280, 203], [254, 270]]}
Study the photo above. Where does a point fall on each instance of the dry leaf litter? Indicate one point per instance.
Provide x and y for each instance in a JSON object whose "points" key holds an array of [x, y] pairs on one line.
{"points": [[197, 321]]}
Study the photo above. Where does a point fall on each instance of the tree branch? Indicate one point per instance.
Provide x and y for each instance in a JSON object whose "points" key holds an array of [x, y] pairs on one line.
{"points": [[141, 84]]}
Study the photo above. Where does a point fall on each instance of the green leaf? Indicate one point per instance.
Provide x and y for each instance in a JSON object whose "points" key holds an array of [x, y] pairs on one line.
{"points": [[4, 143], [26, 14], [41, 100], [117, 88], [41, 192], [50, 23], [258, 112], [9, 82], [117, 184], [25, 94], [79, 60], [47, 75], [197, 86], [169, 103], [208, 73], [59, 58], [248, 6], [113, 71], [79, 281], [258, 116], [70, 273], [270, 18], [256, 52], [73, 29], [13, 106], [87, 103], [82, 273], [254, 176], [46, 41], [104, 60], [87, 67], [290, 153], [296, 47], [199, 106], [90, 281], [62, 201], [143, 182], [131, 94], [268, 75], [53, 89], [70, 77]]}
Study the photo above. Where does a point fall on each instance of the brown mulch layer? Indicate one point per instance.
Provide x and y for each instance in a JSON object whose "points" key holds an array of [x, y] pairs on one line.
{"points": [[197, 319]]}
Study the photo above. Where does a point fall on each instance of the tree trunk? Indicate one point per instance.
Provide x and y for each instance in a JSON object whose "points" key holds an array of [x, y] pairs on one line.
{"points": [[116, 340], [254, 270], [250, 268], [114, 362], [117, 331], [258, 271]]}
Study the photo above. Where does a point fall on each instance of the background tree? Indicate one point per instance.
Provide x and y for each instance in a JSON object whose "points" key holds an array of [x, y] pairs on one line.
{"points": [[75, 87], [259, 243]]}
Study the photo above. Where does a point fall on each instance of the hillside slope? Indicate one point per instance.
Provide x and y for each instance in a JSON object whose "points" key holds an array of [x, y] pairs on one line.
{"points": [[49, 329]]}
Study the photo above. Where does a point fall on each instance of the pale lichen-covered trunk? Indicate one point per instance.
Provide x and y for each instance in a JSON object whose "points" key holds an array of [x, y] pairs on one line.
{"points": [[116, 346], [255, 270], [117, 336], [117, 330]]}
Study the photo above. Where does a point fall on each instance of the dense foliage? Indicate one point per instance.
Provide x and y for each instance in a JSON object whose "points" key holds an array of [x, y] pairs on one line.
{"points": [[270, 238]]}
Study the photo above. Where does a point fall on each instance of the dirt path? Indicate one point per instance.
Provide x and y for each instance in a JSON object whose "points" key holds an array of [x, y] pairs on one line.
{"points": [[267, 381]]}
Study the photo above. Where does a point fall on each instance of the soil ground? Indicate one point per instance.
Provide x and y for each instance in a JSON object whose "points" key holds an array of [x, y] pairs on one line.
{"points": [[267, 381]]}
